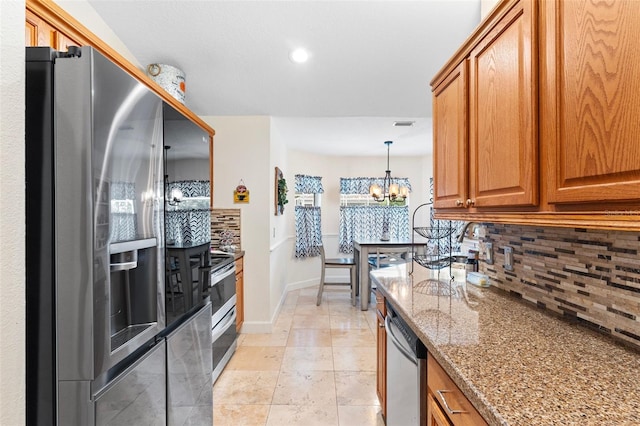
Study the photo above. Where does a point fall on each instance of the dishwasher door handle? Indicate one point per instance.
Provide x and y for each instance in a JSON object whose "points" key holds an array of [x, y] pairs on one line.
{"points": [[396, 342]]}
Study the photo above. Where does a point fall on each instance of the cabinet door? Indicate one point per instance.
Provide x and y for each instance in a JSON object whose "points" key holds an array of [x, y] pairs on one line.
{"points": [[435, 415], [450, 139], [38, 32], [64, 42], [381, 355], [450, 398], [503, 151], [239, 293], [591, 109], [381, 370], [239, 300], [30, 33]]}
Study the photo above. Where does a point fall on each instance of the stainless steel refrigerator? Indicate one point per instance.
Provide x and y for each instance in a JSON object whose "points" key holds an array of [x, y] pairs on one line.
{"points": [[96, 351]]}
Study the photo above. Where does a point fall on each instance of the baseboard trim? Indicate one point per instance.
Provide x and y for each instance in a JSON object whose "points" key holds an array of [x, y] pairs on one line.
{"points": [[256, 327]]}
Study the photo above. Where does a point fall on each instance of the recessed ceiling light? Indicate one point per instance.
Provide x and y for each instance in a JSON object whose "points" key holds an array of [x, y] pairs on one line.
{"points": [[403, 123], [299, 56]]}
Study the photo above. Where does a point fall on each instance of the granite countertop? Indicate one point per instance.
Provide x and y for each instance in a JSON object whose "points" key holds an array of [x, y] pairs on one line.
{"points": [[518, 365]]}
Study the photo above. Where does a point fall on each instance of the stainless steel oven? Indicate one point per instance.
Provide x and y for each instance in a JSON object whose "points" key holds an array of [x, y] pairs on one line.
{"points": [[222, 292]]}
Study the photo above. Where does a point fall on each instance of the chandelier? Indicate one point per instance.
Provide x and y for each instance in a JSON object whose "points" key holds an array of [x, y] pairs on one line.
{"points": [[389, 191]]}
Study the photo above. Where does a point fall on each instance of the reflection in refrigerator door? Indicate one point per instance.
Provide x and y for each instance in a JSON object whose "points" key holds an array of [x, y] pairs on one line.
{"points": [[138, 395], [189, 366]]}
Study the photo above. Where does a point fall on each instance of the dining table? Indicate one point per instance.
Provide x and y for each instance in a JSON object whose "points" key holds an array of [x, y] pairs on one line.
{"points": [[362, 248]]}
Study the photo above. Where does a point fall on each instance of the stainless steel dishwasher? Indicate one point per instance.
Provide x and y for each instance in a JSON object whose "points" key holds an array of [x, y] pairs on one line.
{"points": [[406, 373]]}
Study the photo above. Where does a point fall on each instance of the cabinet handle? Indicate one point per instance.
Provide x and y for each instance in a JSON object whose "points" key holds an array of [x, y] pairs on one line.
{"points": [[444, 401], [470, 202], [459, 203]]}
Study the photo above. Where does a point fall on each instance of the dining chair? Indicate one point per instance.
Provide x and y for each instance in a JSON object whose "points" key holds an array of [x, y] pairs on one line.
{"points": [[174, 286], [386, 256], [338, 262]]}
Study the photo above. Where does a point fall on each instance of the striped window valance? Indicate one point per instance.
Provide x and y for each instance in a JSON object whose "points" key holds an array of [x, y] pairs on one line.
{"points": [[360, 185], [191, 188], [123, 191], [308, 184]]}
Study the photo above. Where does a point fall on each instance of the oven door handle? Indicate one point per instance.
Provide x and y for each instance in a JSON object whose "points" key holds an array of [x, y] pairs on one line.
{"points": [[219, 276], [219, 330]]}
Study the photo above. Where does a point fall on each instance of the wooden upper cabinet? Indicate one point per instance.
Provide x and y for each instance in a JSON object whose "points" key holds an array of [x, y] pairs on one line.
{"points": [[450, 139], [503, 143], [590, 114], [39, 33]]}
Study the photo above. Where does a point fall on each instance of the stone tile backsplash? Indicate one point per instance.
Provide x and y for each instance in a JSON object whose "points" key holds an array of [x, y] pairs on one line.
{"points": [[592, 275], [225, 228]]}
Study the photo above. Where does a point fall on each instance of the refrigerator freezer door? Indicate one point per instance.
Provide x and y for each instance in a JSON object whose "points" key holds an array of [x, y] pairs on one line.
{"points": [[138, 395], [189, 366], [108, 190]]}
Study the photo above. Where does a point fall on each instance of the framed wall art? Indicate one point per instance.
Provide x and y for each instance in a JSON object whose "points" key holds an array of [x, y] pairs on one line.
{"points": [[280, 185]]}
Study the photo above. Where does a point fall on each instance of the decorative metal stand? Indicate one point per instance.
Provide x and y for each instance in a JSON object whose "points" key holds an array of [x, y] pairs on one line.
{"points": [[433, 257]]}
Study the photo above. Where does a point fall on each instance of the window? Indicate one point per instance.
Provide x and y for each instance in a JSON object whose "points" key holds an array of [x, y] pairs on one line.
{"points": [[307, 200], [361, 217], [367, 200]]}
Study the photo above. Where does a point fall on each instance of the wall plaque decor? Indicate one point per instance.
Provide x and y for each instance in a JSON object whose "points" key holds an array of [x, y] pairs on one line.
{"points": [[241, 193]]}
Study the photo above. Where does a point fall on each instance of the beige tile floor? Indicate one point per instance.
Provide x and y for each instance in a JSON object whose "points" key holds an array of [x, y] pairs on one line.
{"points": [[318, 367]]}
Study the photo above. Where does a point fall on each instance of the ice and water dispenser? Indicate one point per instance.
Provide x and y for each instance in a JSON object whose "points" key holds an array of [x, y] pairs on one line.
{"points": [[134, 290]]}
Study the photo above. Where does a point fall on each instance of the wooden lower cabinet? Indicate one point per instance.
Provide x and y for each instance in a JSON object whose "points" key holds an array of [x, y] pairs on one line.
{"points": [[239, 293], [446, 404], [381, 354]]}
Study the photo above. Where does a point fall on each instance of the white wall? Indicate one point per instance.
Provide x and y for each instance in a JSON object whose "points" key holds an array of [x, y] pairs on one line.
{"points": [[241, 150], [486, 6], [191, 169], [281, 243], [12, 214]]}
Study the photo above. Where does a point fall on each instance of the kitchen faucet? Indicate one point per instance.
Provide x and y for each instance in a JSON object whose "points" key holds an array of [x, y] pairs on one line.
{"points": [[460, 237]]}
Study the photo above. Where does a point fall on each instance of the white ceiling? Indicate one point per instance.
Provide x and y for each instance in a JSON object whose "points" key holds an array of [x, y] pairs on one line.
{"points": [[370, 62]]}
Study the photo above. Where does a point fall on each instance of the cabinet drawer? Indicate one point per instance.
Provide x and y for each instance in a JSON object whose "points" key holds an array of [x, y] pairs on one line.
{"points": [[442, 388]]}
